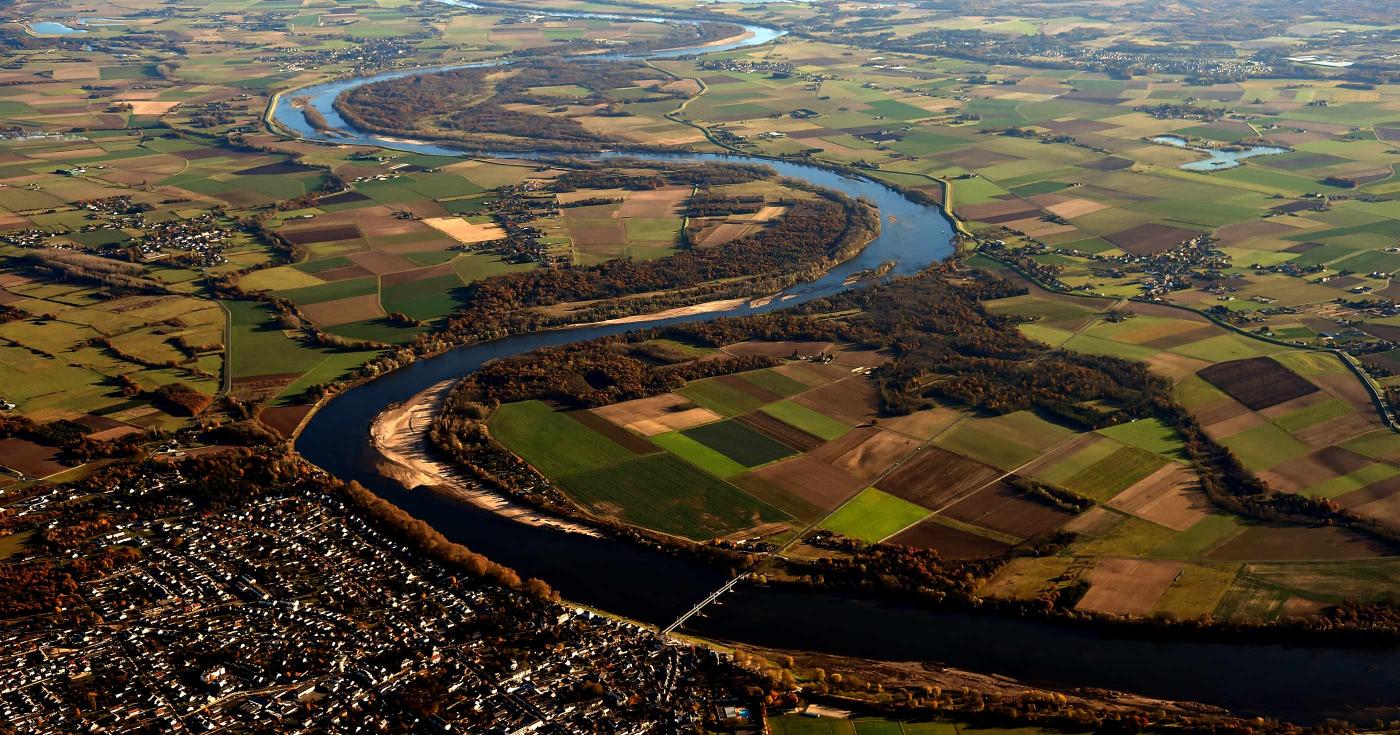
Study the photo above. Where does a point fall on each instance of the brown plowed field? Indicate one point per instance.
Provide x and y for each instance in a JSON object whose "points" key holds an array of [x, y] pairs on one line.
{"points": [[1128, 586], [663, 202], [1257, 382], [1297, 543], [811, 373], [811, 481], [421, 274], [862, 358], [737, 383], [322, 234], [618, 435], [1339, 429], [345, 197], [380, 263], [1168, 497], [869, 459], [1150, 238], [949, 542], [343, 273], [832, 450], [789, 435], [657, 414], [1385, 509], [1386, 488], [1003, 508], [344, 311], [284, 419], [779, 349], [934, 477], [34, 460], [853, 400]]}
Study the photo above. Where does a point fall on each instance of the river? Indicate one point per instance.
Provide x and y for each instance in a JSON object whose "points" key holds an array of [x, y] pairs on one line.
{"points": [[1295, 681]]}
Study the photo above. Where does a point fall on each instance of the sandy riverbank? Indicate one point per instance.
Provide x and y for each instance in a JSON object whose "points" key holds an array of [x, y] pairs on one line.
{"points": [[400, 434], [705, 308]]}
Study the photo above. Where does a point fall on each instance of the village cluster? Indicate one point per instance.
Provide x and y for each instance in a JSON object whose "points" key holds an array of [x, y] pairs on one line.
{"points": [[292, 612]]}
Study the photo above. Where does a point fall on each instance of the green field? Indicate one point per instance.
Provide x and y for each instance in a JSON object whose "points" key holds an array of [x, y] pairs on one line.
{"points": [[555, 443], [1114, 473], [712, 393], [1204, 535], [799, 416], [1264, 446], [874, 515], [739, 443], [664, 493], [698, 454], [257, 346], [1149, 434], [985, 447], [775, 382]]}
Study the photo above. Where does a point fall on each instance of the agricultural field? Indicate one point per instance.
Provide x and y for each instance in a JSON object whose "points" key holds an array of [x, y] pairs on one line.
{"points": [[1154, 544], [390, 257], [258, 268], [98, 339], [1087, 188], [405, 239], [117, 151], [802, 444]]}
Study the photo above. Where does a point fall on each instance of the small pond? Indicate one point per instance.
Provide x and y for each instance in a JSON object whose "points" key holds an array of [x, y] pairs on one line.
{"points": [[1219, 158]]}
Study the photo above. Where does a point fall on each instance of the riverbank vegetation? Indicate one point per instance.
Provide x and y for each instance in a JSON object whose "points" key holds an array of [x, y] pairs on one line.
{"points": [[530, 105]]}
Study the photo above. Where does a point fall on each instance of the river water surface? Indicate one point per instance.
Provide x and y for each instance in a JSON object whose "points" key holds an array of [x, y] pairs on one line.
{"points": [[1294, 681]]}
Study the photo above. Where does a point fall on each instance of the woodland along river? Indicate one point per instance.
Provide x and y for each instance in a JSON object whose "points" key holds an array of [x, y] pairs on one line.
{"points": [[1299, 682]]}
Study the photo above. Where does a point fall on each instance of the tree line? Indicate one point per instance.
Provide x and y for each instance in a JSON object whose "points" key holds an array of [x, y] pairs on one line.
{"points": [[471, 105], [812, 236]]}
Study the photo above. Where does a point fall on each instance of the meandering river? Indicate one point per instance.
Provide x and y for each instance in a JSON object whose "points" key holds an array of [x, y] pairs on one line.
{"points": [[1296, 681]]}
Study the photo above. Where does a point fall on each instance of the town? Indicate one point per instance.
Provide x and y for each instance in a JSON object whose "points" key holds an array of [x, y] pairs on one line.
{"points": [[290, 611]]}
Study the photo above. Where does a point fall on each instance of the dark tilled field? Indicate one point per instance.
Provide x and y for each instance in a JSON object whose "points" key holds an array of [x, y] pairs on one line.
{"points": [[344, 197], [832, 450], [854, 400], [775, 429], [34, 460], [1150, 238], [739, 443], [1258, 382], [1375, 491], [284, 419], [804, 487], [934, 476], [322, 234], [1003, 508], [1296, 543], [748, 389], [950, 543], [1110, 163], [280, 168]]}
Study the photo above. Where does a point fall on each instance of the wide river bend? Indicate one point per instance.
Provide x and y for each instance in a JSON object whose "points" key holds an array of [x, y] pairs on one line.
{"points": [[1302, 682]]}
